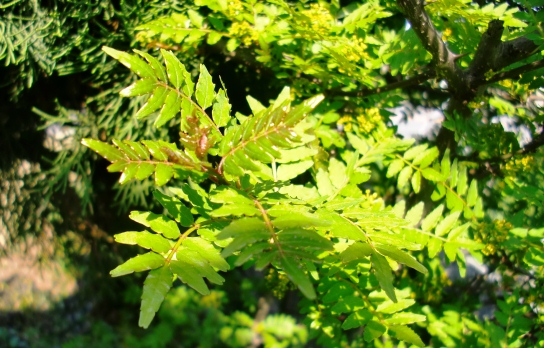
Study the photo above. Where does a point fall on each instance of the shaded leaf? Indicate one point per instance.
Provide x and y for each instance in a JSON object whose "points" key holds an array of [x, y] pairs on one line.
{"points": [[404, 333], [383, 273], [295, 273], [357, 319]]}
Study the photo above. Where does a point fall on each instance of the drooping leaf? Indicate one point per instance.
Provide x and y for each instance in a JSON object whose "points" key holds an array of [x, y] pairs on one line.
{"points": [[295, 273], [373, 330], [189, 276], [383, 273], [156, 286], [404, 333], [402, 257]]}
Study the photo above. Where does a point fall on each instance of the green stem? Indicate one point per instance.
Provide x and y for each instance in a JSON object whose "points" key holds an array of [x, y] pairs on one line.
{"points": [[180, 240]]}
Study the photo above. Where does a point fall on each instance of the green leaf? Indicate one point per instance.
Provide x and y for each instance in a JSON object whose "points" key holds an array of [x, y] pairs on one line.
{"points": [[357, 319], [189, 276], [243, 240], [255, 105], [383, 273], [427, 157], [175, 69], [401, 257], [416, 181], [204, 88], [242, 226], [141, 151], [157, 223], [144, 170], [445, 165], [324, 184], [306, 239], [163, 174], [128, 173], [431, 220], [139, 263], [178, 210], [153, 103], [132, 62], [238, 209], [405, 318], [292, 170], [158, 68], [107, 151], [299, 219], [221, 109], [140, 87], [433, 175], [296, 154], [196, 261], [414, 215], [207, 251], [472, 193], [250, 251], [295, 273], [404, 176], [144, 239], [348, 304], [447, 224], [433, 247], [390, 307], [462, 180], [356, 251], [373, 330], [171, 107], [341, 227], [229, 195], [395, 167], [404, 333], [157, 284], [415, 151], [337, 173]]}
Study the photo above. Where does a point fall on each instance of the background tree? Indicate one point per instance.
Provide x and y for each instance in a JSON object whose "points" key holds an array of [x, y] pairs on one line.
{"points": [[367, 201]]}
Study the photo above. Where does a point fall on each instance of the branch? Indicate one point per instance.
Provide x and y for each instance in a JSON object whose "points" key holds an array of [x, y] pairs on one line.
{"points": [[489, 42], [514, 73], [493, 54], [443, 58], [491, 165], [366, 92]]}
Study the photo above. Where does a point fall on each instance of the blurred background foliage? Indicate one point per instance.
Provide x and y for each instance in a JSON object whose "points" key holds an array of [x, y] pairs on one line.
{"points": [[59, 203]]}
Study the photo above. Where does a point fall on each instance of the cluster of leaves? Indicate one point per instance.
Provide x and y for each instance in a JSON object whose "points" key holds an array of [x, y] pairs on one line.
{"points": [[252, 210]]}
